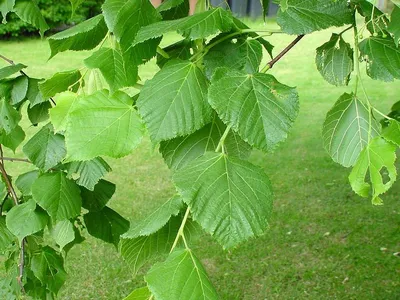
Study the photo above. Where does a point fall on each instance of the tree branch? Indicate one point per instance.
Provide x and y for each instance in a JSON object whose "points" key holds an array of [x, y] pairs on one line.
{"points": [[280, 55], [11, 62], [12, 159]]}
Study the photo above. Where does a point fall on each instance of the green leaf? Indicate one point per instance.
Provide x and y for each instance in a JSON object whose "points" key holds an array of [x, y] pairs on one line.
{"points": [[95, 82], [306, 16], [58, 195], [39, 113], [179, 50], [48, 266], [369, 10], [394, 25], [88, 173], [6, 6], [257, 106], [59, 113], [335, 63], [6, 237], [382, 57], [19, 89], [164, 103], [9, 116], [29, 12], [45, 149], [377, 158], [197, 26], [229, 197], [243, 55], [346, 129], [178, 152], [139, 294], [392, 132], [75, 4], [10, 70], [24, 182], [174, 9], [97, 199], [181, 276], [24, 219], [106, 225], [60, 82], [265, 7], [84, 36], [13, 139], [101, 124], [63, 233], [33, 94], [117, 72]]}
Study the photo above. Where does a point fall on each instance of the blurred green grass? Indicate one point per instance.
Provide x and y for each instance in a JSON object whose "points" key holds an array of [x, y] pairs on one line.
{"points": [[324, 242]]}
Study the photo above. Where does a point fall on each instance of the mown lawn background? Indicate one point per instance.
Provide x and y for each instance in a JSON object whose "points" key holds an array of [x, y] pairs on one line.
{"points": [[324, 242]]}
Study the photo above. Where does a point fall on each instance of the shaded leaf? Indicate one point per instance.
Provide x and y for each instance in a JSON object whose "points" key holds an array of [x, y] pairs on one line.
{"points": [[6, 237], [394, 25], [9, 116], [60, 82], [19, 89], [75, 4], [39, 113], [10, 70], [179, 50], [13, 139], [29, 12], [174, 9], [33, 94], [24, 182], [97, 199], [392, 132]]}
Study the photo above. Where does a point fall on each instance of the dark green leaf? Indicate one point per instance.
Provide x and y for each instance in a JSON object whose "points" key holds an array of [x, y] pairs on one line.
{"points": [[346, 129], [97, 199], [229, 197], [24, 219], [394, 26], [39, 113], [306, 16], [181, 276], [6, 237], [6, 6], [179, 50], [174, 9], [392, 132], [84, 36], [88, 173], [13, 139], [106, 225], [10, 70], [45, 149], [75, 4], [58, 195], [34, 95], [24, 182], [9, 116], [29, 12], [60, 82], [63, 233], [367, 10], [94, 129], [382, 57], [164, 103], [257, 106], [335, 63], [19, 89]]}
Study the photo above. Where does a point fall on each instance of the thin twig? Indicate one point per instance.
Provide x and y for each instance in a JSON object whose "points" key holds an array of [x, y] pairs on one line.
{"points": [[11, 62], [12, 159], [280, 55]]}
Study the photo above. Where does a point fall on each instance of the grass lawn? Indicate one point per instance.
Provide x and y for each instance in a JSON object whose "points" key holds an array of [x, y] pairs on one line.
{"points": [[324, 242]]}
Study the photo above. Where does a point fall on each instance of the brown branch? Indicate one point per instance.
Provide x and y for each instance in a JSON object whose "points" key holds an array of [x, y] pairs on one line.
{"points": [[283, 52], [13, 194], [12, 159], [11, 62]]}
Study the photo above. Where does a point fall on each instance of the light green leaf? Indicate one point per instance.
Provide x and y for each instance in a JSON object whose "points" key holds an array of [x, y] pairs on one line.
{"points": [[6, 237], [106, 225], [60, 82], [75, 4], [257, 106], [3, 190], [45, 149], [33, 94], [39, 113], [178, 152], [29, 12], [139, 294], [101, 124], [6, 6], [335, 63], [63, 233], [9, 116], [13, 139], [306, 16], [24, 219], [346, 129], [24, 182], [58, 195], [243, 55], [229, 197], [59, 113], [394, 25], [392, 132], [117, 72], [88, 173], [95, 82], [382, 57], [180, 277], [48, 266], [164, 103], [197, 26], [10, 70], [97, 199], [84, 36], [377, 158], [19, 89]]}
